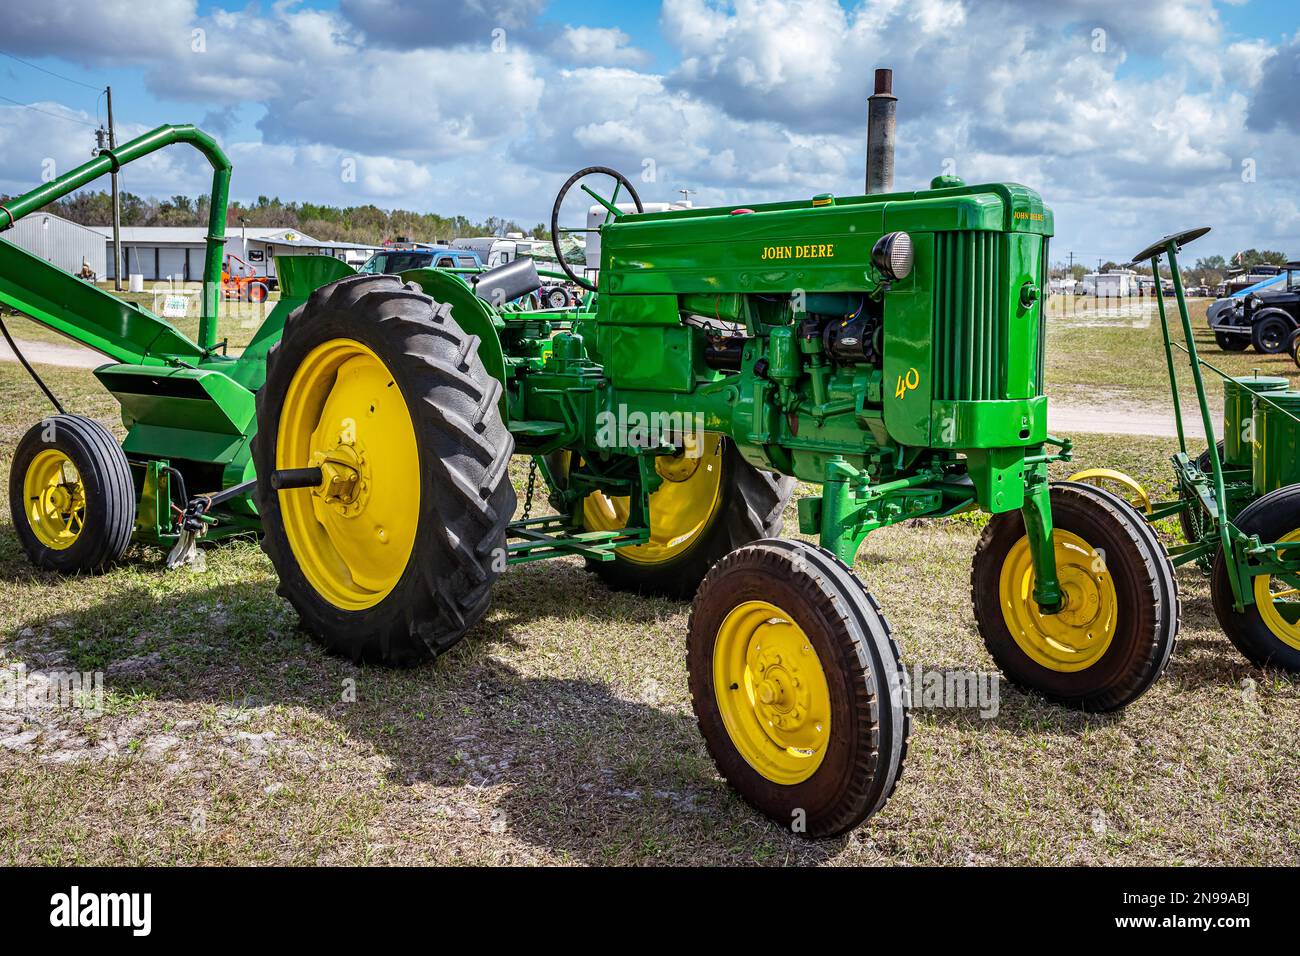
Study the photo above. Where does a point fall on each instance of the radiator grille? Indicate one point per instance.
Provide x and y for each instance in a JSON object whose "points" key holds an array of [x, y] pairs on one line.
{"points": [[970, 334]]}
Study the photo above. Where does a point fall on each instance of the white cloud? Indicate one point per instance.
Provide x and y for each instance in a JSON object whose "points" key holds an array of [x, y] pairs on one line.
{"points": [[597, 46]]}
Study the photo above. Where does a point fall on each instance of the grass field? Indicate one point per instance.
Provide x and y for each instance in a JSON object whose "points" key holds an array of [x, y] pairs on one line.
{"points": [[560, 730]]}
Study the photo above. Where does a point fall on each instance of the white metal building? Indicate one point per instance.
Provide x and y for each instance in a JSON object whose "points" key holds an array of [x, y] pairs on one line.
{"points": [[1118, 283], [59, 241], [163, 252]]}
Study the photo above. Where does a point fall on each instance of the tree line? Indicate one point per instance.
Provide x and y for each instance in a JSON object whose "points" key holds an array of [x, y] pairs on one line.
{"points": [[362, 224], [1208, 270]]}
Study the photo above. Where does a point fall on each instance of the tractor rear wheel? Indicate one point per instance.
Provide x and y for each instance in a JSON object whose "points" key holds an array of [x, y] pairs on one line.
{"points": [[797, 686], [708, 506], [71, 495], [391, 559], [1117, 630], [1268, 631]]}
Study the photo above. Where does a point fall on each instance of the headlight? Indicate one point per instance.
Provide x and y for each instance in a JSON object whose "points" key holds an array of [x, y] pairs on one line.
{"points": [[892, 255]]}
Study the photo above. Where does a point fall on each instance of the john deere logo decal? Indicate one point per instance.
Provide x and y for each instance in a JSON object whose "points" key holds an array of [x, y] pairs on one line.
{"points": [[823, 250]]}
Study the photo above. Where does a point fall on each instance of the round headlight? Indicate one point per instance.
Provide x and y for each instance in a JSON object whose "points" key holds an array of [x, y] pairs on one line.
{"points": [[892, 255]]}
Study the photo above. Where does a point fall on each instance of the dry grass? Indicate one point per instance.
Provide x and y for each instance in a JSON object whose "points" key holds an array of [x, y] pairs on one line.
{"points": [[560, 730]]}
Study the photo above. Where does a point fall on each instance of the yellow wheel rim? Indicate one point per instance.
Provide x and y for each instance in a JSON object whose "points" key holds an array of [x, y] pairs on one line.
{"points": [[1078, 637], [771, 692], [680, 509], [1101, 477], [353, 535], [1279, 603], [56, 499]]}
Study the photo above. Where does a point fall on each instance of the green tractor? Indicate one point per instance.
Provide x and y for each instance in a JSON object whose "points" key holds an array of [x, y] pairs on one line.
{"points": [[887, 347]]}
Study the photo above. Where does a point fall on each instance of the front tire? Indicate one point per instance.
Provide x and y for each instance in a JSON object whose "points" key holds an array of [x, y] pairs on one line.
{"points": [[797, 686], [392, 559], [71, 495], [1268, 631], [1118, 629]]}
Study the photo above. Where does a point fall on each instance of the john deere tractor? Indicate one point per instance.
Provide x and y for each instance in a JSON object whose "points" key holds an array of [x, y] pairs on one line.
{"points": [[887, 347]]}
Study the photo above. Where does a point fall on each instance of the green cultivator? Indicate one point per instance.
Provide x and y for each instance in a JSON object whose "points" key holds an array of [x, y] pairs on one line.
{"points": [[887, 347], [1239, 501]]}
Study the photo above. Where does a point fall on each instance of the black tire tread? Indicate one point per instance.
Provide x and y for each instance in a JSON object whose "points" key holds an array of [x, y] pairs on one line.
{"points": [[464, 460], [878, 767], [105, 469]]}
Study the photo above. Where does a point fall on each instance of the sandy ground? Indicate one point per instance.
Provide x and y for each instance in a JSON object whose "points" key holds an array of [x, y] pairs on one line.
{"points": [[47, 353]]}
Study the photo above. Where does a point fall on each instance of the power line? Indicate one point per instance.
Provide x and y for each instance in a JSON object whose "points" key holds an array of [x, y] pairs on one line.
{"points": [[46, 112], [59, 76]]}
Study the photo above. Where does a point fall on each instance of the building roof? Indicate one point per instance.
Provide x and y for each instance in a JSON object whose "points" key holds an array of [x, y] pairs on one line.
{"points": [[33, 220], [199, 234]]}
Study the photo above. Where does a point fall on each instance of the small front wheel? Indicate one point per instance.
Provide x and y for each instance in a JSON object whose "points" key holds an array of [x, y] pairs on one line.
{"points": [[71, 495], [1115, 634], [797, 686]]}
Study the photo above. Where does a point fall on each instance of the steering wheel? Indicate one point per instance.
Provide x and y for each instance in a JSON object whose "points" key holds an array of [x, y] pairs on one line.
{"points": [[620, 182]]}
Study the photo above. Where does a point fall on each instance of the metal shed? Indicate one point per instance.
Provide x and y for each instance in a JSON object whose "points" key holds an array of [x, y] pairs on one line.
{"points": [[59, 241]]}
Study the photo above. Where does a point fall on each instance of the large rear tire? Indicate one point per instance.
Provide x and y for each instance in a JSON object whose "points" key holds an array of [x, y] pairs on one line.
{"points": [[392, 560], [797, 686], [1268, 631], [706, 508], [1118, 629], [71, 495]]}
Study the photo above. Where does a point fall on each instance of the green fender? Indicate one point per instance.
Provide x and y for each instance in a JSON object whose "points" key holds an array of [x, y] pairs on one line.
{"points": [[472, 314]]}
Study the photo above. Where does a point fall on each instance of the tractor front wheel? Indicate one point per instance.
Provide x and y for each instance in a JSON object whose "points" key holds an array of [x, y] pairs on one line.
{"points": [[797, 686], [1114, 636], [1268, 631], [392, 556]]}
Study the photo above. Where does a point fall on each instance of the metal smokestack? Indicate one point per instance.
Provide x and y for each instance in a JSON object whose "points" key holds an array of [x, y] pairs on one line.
{"points": [[881, 121]]}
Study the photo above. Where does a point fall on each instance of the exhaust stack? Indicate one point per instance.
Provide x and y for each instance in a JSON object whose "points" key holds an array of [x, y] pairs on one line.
{"points": [[881, 122]]}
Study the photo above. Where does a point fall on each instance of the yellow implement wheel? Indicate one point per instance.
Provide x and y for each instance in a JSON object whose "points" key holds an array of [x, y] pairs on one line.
{"points": [[353, 534], [1079, 635], [1279, 603], [772, 692], [71, 495], [1267, 631], [56, 499], [1132, 490], [391, 557], [1114, 633], [797, 686]]}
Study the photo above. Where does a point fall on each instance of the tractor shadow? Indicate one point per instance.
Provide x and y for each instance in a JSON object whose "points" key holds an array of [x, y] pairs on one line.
{"points": [[573, 765]]}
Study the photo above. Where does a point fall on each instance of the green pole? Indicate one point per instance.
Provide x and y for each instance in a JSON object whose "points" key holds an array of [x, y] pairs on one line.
{"points": [[110, 161], [1169, 355], [1221, 497]]}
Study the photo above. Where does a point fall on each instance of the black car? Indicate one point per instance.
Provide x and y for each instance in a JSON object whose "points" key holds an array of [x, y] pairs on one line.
{"points": [[1266, 319]]}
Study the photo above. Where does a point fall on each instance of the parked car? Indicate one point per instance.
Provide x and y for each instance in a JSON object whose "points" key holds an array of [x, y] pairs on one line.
{"points": [[393, 261], [1266, 318]]}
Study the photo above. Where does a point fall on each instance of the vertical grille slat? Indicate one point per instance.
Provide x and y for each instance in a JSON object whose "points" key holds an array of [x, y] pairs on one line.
{"points": [[970, 321]]}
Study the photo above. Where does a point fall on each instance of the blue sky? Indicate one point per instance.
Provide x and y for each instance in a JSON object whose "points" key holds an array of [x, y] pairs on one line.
{"points": [[1131, 119]]}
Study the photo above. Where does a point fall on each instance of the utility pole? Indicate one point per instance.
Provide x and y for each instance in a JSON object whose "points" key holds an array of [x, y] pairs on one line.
{"points": [[1071, 265], [117, 208]]}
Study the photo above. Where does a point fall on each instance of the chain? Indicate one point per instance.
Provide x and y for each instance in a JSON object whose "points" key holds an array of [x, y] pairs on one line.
{"points": [[532, 482]]}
